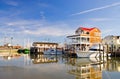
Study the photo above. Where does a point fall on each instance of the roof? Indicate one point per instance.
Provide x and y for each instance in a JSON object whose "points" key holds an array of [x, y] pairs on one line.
{"points": [[44, 43], [85, 29]]}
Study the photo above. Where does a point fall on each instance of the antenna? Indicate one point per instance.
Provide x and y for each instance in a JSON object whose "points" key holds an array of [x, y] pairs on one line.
{"points": [[5, 40]]}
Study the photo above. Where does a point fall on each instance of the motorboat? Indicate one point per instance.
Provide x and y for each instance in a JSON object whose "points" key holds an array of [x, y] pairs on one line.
{"points": [[53, 52], [95, 51]]}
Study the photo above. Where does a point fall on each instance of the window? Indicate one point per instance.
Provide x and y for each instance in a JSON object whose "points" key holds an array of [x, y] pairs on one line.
{"points": [[87, 32], [40, 44], [87, 39]]}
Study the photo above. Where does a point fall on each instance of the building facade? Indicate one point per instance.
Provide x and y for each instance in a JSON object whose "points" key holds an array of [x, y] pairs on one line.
{"points": [[43, 46], [113, 42], [85, 38]]}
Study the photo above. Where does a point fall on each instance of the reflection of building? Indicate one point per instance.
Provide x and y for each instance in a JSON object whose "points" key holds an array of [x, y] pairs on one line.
{"points": [[43, 46], [37, 59], [112, 68], [8, 57], [113, 64], [83, 69], [7, 46], [85, 37]]}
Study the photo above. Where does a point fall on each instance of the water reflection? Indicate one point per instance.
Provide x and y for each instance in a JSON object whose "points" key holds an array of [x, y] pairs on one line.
{"points": [[112, 69], [80, 68], [36, 66], [113, 64], [38, 58], [83, 68], [11, 57], [15, 60]]}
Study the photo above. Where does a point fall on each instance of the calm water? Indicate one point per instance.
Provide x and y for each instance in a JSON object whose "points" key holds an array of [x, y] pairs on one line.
{"points": [[52, 67]]}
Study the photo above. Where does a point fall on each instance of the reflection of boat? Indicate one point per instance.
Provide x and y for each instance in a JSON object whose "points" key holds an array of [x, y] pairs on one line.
{"points": [[95, 51], [53, 52], [83, 68]]}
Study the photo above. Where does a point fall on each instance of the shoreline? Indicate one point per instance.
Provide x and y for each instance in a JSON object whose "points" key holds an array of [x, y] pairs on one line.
{"points": [[8, 50]]}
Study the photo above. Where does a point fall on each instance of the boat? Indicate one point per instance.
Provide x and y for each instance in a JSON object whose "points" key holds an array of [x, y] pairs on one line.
{"points": [[53, 52], [24, 51], [95, 51]]}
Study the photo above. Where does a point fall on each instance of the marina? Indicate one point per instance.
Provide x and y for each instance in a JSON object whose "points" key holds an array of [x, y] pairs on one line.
{"points": [[84, 56], [59, 39]]}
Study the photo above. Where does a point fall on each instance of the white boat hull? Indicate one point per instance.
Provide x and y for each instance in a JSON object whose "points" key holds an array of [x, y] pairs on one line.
{"points": [[90, 54]]}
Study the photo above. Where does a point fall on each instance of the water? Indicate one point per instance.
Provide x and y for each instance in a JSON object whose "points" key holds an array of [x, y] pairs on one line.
{"points": [[57, 67]]}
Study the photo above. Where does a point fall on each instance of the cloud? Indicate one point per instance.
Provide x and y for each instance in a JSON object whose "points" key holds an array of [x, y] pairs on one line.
{"points": [[11, 2], [10, 14], [42, 15], [99, 8], [49, 31], [44, 5], [36, 28], [100, 19]]}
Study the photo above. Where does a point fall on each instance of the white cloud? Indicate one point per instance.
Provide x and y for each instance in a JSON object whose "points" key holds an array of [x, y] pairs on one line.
{"points": [[42, 15], [37, 28], [99, 8], [49, 31], [43, 4], [11, 2], [22, 23], [100, 19]]}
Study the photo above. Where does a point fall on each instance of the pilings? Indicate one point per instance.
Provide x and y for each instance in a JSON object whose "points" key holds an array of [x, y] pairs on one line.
{"points": [[36, 50]]}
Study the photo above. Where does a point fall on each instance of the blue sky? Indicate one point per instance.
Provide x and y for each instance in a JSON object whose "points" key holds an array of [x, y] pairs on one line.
{"points": [[53, 20]]}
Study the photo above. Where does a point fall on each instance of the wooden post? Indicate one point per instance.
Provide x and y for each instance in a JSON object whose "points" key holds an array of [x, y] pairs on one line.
{"points": [[114, 50], [56, 53], [107, 50], [103, 53], [112, 47], [99, 51], [62, 51]]}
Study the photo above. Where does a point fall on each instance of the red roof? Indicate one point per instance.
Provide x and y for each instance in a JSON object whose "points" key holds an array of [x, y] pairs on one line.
{"points": [[86, 29]]}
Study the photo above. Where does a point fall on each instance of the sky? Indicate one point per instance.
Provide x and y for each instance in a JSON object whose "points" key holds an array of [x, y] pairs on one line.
{"points": [[31, 21]]}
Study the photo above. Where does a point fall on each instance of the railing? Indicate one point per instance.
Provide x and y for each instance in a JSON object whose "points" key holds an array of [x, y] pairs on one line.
{"points": [[79, 42]]}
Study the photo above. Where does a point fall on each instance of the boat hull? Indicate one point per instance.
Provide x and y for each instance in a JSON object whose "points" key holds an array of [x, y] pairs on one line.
{"points": [[90, 54], [53, 52]]}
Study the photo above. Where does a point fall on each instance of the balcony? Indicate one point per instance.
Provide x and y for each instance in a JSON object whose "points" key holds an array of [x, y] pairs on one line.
{"points": [[79, 42]]}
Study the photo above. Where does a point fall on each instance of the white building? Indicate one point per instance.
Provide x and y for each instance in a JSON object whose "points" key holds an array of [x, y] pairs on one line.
{"points": [[113, 42]]}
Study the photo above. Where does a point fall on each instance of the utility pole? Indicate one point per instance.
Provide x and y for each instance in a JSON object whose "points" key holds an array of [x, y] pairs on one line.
{"points": [[11, 46]]}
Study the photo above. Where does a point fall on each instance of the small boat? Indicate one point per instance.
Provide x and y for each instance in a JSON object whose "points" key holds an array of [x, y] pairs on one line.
{"points": [[24, 51], [53, 52]]}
